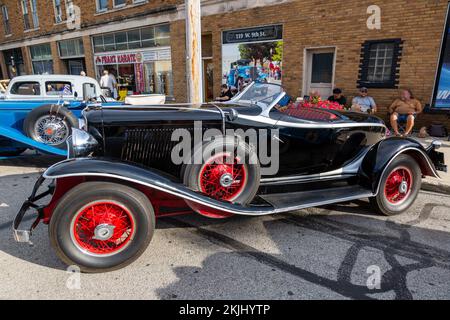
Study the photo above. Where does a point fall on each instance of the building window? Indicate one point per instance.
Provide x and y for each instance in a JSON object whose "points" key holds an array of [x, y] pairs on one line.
{"points": [[72, 48], [58, 11], [6, 23], [380, 63], [34, 14], [149, 37], [26, 15], [120, 3], [42, 60], [102, 5]]}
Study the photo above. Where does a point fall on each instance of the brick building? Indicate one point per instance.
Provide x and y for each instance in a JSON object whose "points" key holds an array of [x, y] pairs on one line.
{"points": [[322, 44]]}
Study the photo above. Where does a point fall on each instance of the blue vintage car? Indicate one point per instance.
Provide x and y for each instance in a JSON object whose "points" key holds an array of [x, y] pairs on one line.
{"points": [[38, 112]]}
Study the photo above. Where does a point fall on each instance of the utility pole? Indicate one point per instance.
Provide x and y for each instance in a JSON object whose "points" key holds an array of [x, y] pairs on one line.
{"points": [[194, 67]]}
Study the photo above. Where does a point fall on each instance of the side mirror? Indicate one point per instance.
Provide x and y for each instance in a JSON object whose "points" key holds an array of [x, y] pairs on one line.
{"points": [[75, 94]]}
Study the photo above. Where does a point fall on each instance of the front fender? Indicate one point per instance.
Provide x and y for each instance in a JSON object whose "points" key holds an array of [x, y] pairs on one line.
{"points": [[149, 178], [381, 155]]}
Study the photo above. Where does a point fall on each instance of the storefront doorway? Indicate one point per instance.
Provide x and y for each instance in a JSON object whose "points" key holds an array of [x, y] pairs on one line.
{"points": [[319, 71], [158, 77], [126, 79], [142, 72], [208, 79], [14, 62]]}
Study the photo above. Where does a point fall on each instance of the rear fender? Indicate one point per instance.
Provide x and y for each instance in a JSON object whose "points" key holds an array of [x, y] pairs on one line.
{"points": [[382, 154]]}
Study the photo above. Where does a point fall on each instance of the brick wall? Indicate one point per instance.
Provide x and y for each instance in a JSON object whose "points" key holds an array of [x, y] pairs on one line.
{"points": [[306, 24], [89, 16], [342, 24], [89, 57]]}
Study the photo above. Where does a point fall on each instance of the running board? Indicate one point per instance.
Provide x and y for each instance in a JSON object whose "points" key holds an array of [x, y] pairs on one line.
{"points": [[272, 203], [303, 180], [307, 199]]}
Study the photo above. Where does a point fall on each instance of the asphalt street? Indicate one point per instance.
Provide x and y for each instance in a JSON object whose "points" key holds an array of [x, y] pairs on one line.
{"points": [[335, 252]]}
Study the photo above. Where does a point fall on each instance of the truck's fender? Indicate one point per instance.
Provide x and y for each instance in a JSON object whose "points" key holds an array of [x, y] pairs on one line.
{"points": [[381, 155]]}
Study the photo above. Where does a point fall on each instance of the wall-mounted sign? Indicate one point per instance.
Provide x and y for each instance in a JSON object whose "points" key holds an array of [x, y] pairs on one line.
{"points": [[267, 33], [131, 58], [124, 58]]}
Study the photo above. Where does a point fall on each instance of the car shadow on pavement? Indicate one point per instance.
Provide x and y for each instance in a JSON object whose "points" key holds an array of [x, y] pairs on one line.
{"points": [[15, 190], [322, 255], [30, 161], [38, 253]]}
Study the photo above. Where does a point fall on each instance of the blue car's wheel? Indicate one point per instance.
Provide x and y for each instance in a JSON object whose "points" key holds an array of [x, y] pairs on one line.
{"points": [[50, 125]]}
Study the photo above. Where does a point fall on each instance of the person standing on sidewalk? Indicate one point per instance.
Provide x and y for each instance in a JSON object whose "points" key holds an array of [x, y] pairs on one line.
{"points": [[108, 81]]}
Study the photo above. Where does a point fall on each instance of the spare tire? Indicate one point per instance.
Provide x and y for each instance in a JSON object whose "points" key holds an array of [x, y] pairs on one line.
{"points": [[50, 125]]}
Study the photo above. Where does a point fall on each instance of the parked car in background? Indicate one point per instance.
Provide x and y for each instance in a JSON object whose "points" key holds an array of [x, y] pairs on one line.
{"points": [[39, 111], [122, 173], [3, 87]]}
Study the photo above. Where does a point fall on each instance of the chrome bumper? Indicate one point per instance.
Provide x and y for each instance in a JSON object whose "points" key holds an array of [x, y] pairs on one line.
{"points": [[24, 236]]}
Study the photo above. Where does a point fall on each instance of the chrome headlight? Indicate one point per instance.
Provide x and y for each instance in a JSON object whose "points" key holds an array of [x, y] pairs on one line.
{"points": [[80, 144]]}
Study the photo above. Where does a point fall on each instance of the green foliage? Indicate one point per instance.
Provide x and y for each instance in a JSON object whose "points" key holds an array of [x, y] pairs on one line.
{"points": [[278, 52], [261, 52]]}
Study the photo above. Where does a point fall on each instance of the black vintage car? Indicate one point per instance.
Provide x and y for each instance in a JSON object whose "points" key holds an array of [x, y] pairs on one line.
{"points": [[251, 156]]}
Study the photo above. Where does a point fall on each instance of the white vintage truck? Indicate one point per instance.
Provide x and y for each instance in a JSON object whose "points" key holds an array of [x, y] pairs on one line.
{"points": [[54, 87]]}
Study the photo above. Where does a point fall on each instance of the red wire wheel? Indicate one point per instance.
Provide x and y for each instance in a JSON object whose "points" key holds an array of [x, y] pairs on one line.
{"points": [[223, 177], [398, 185], [103, 228]]}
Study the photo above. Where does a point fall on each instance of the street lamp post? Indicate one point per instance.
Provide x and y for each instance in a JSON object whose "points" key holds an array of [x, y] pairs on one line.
{"points": [[194, 68]]}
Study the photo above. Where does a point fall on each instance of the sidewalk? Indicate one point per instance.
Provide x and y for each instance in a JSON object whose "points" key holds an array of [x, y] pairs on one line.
{"points": [[432, 184]]}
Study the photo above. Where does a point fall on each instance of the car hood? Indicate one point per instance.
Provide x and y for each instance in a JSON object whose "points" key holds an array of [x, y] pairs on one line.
{"points": [[134, 115]]}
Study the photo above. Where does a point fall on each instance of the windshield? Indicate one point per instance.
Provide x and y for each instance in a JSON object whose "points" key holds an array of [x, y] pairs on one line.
{"points": [[265, 95]]}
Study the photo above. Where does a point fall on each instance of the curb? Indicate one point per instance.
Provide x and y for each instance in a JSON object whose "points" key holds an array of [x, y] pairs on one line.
{"points": [[436, 187]]}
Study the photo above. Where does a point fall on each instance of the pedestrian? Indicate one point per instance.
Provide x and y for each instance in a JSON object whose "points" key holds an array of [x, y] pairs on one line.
{"points": [[109, 82], [83, 73]]}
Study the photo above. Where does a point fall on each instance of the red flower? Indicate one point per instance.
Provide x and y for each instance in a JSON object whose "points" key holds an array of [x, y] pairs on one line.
{"points": [[322, 105]]}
